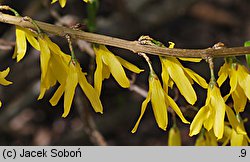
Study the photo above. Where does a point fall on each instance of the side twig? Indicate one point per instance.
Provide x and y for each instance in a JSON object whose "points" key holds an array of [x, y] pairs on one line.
{"points": [[89, 124], [133, 46]]}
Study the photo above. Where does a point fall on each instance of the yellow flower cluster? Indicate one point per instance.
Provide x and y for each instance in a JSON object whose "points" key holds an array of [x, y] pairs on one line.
{"points": [[212, 115], [56, 66], [63, 2], [209, 123], [172, 72], [239, 83]]}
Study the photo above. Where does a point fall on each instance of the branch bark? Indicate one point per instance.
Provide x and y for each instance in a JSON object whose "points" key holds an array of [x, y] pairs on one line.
{"points": [[133, 46]]}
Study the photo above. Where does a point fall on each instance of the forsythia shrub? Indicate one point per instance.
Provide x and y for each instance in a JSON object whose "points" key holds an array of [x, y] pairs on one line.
{"points": [[209, 123]]}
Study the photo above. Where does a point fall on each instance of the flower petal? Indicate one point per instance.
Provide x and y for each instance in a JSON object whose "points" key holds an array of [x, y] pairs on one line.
{"points": [[219, 105], [115, 67], [198, 121], [42, 92], [165, 80], [223, 74], [89, 91], [236, 139], [3, 74], [44, 57], [21, 44], [158, 102], [240, 99], [181, 81], [143, 108], [31, 39], [233, 83], [128, 65], [164, 76], [210, 137], [174, 137], [233, 80], [208, 124], [105, 72], [5, 82], [197, 78], [62, 3], [71, 83], [53, 1], [98, 73], [244, 79], [190, 59], [59, 67], [48, 82], [177, 110], [54, 47], [57, 95], [200, 141], [227, 135], [233, 121]]}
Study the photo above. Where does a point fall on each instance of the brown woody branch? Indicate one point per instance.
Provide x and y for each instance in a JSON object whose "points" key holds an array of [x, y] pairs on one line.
{"points": [[133, 46]]}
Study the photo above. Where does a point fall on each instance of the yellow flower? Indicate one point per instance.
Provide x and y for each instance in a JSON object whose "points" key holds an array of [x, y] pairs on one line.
{"points": [[211, 115], [235, 121], [235, 139], [3, 81], [237, 134], [174, 136], [206, 138], [160, 103], [58, 66], [173, 71], [239, 83], [53, 64], [108, 63], [21, 45], [75, 76], [63, 2]]}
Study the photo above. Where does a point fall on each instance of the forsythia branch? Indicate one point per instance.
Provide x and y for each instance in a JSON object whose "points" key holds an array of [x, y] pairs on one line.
{"points": [[133, 46]]}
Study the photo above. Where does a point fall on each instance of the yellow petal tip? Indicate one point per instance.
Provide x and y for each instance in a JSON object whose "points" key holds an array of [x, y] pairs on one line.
{"points": [[64, 115]]}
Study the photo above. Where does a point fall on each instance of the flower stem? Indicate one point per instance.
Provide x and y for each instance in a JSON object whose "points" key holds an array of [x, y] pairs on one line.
{"points": [[9, 9], [211, 67], [72, 53], [148, 61], [26, 18], [238, 117]]}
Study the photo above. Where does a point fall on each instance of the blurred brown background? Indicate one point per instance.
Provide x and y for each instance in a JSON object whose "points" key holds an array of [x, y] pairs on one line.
{"points": [[190, 24]]}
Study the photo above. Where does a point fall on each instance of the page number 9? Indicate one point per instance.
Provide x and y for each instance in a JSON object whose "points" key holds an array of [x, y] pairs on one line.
{"points": [[243, 153]]}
